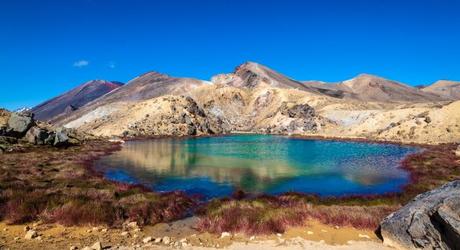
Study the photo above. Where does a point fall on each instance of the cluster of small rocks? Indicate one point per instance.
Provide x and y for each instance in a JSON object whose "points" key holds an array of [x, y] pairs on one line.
{"points": [[22, 127]]}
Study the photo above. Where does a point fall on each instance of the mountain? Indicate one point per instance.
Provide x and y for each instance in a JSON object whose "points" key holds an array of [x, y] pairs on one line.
{"points": [[146, 86], [444, 88], [149, 85], [253, 75], [74, 99], [367, 87]]}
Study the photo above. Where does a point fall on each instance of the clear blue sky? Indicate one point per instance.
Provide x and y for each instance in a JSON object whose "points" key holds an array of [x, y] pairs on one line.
{"points": [[48, 47]]}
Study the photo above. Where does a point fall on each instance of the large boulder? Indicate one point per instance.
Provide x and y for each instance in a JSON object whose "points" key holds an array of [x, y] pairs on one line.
{"points": [[430, 221], [20, 123]]}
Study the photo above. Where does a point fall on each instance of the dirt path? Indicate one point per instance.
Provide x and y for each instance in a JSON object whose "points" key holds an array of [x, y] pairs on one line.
{"points": [[181, 234]]}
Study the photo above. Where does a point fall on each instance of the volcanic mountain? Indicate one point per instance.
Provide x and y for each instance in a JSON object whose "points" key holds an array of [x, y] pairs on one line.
{"points": [[144, 87], [374, 88], [253, 75], [444, 88], [73, 99], [365, 87]]}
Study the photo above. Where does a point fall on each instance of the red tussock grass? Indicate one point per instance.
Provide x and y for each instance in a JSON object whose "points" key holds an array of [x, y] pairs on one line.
{"points": [[59, 186], [274, 214]]}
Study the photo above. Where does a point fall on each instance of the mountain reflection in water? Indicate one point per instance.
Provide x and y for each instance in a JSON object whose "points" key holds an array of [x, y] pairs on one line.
{"points": [[216, 166]]}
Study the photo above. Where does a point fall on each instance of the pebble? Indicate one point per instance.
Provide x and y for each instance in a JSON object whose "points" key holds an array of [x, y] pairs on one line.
{"points": [[309, 232], [73, 248], [5, 229], [225, 234], [30, 234], [324, 231], [132, 224], [364, 236], [147, 239], [252, 238], [26, 228], [16, 238], [124, 234], [279, 235], [157, 240], [97, 246], [104, 230], [166, 240]]}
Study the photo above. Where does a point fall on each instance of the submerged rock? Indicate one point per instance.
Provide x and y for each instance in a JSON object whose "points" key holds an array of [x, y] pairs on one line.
{"points": [[430, 221]]}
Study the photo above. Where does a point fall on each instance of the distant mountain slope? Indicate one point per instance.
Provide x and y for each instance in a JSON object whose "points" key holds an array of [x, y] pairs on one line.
{"points": [[367, 87], [374, 88], [143, 87], [151, 85], [444, 88], [73, 99], [253, 75]]}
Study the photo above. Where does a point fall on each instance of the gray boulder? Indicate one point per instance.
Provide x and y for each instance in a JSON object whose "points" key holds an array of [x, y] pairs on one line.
{"points": [[37, 136], [430, 221], [19, 123], [61, 138]]}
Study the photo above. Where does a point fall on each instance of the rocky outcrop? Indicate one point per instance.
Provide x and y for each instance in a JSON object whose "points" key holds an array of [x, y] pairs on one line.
{"points": [[430, 221], [21, 128], [297, 111]]}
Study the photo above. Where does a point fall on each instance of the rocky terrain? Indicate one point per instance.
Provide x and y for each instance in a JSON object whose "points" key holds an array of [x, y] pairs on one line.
{"points": [[430, 221], [257, 99], [20, 128]]}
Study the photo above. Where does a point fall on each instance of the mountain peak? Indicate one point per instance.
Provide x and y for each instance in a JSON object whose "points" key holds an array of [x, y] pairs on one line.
{"points": [[75, 98]]}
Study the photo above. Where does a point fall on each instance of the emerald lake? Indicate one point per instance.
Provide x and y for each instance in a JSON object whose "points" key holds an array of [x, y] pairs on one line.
{"points": [[217, 166]]}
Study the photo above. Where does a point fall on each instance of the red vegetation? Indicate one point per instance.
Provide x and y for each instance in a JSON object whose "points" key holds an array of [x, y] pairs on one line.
{"points": [[59, 186]]}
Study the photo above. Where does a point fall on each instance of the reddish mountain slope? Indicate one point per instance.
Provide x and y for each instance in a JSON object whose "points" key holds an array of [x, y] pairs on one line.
{"points": [[73, 99]]}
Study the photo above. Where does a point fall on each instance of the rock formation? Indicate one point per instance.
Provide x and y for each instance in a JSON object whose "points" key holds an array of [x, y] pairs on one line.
{"points": [[430, 221], [23, 128]]}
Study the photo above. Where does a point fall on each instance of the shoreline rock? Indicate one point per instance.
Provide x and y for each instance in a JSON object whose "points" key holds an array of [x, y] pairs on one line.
{"points": [[431, 220]]}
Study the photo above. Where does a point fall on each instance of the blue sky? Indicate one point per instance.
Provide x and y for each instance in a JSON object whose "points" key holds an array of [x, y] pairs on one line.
{"points": [[48, 47]]}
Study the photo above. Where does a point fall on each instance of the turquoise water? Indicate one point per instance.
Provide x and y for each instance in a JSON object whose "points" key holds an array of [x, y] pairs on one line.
{"points": [[216, 166]]}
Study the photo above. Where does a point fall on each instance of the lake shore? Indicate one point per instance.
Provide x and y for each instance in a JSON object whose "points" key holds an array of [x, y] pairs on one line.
{"points": [[53, 169], [182, 234]]}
